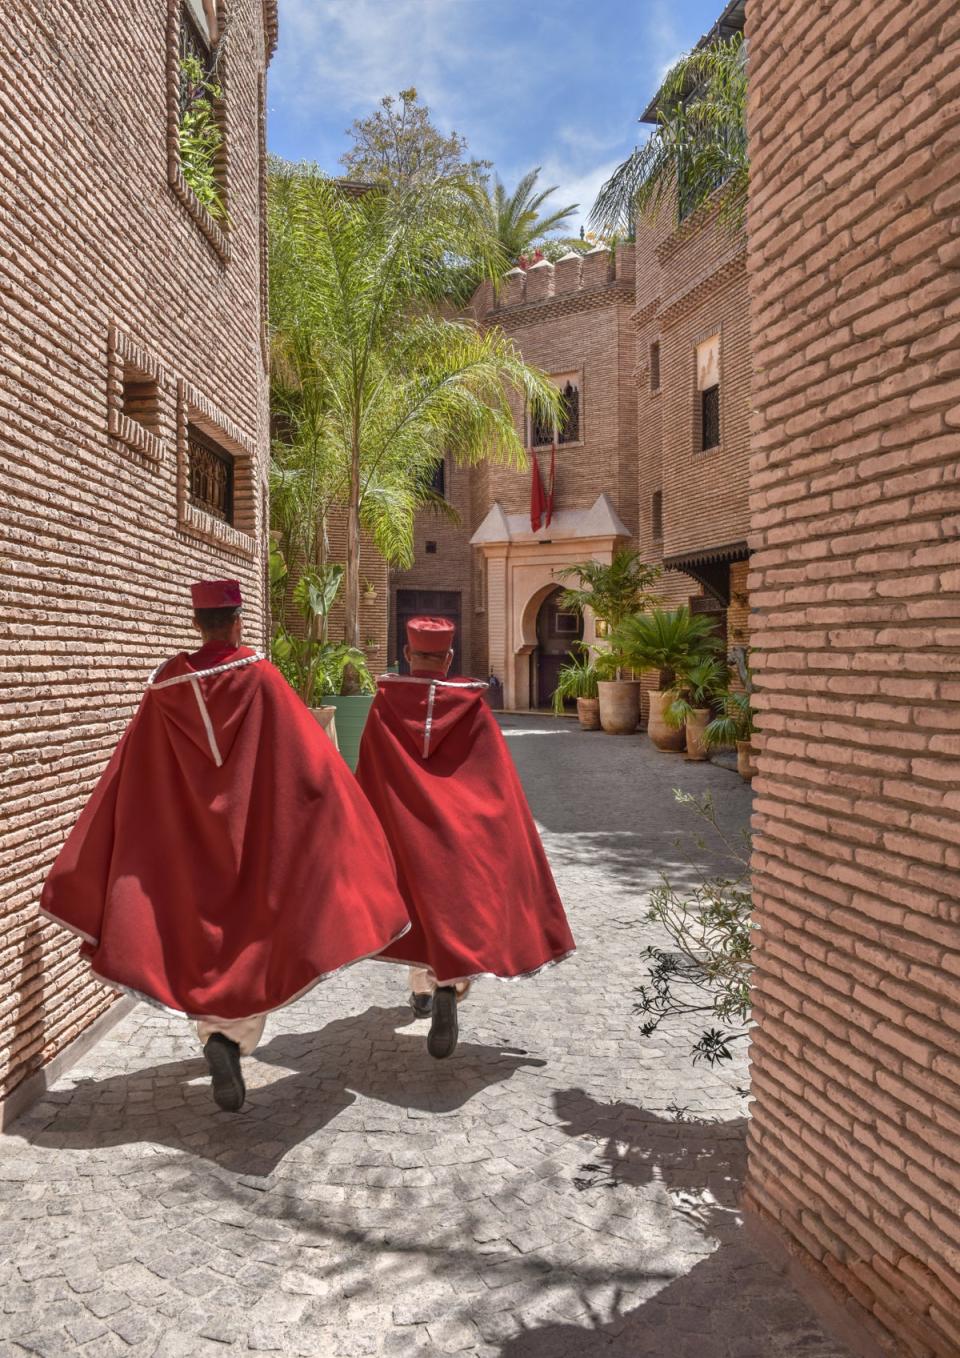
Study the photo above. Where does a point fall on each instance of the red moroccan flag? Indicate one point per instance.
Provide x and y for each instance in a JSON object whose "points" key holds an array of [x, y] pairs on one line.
{"points": [[538, 498], [548, 501]]}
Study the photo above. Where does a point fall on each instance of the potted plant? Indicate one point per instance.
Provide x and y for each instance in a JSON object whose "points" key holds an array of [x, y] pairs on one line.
{"points": [[578, 680], [665, 640], [312, 664], [696, 687], [735, 724], [613, 591]]}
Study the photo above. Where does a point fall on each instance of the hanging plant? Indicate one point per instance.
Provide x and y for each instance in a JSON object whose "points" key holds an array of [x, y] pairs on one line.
{"points": [[200, 136]]}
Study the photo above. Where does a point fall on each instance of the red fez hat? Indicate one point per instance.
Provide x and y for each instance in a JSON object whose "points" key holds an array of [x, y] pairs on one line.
{"points": [[430, 635], [216, 594]]}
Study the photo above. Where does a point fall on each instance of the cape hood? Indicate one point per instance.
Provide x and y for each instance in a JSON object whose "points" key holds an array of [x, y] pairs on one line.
{"points": [[426, 711], [470, 865]]}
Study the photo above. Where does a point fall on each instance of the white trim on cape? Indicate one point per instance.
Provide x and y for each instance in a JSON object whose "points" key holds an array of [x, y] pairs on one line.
{"points": [[480, 975], [153, 682], [215, 1018]]}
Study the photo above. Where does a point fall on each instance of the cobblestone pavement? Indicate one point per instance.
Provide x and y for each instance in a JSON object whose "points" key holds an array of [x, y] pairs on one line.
{"points": [[561, 1186]]}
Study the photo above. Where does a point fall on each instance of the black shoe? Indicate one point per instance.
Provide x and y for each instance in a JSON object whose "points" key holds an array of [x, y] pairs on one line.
{"points": [[223, 1058], [422, 1005], [442, 1039]]}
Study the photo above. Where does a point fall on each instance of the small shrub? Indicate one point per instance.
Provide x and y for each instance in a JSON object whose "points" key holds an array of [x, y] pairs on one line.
{"points": [[707, 972]]}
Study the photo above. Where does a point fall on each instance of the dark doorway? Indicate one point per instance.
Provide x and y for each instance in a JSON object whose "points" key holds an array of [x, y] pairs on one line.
{"points": [[558, 630], [432, 603]]}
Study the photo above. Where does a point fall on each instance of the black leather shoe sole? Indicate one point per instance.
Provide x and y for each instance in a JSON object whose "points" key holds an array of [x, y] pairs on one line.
{"points": [[442, 1040], [223, 1060], [422, 1005]]}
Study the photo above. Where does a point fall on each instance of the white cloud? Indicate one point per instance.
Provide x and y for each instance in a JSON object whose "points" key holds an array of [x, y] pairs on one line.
{"points": [[579, 188]]}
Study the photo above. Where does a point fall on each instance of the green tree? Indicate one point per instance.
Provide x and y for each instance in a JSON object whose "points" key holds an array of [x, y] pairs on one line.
{"points": [[397, 144], [612, 590], [371, 384], [517, 219], [699, 143]]}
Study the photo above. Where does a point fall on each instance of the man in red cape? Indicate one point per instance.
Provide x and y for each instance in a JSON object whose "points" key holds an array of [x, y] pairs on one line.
{"points": [[226, 861], [470, 865]]}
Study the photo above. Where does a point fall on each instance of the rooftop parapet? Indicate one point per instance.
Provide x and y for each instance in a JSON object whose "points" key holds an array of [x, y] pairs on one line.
{"points": [[596, 267], [566, 273], [540, 281], [513, 291]]}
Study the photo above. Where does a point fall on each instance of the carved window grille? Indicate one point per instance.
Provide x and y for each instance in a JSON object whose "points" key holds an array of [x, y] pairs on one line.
{"points": [[710, 418], [569, 431], [541, 431], [210, 472], [193, 43]]}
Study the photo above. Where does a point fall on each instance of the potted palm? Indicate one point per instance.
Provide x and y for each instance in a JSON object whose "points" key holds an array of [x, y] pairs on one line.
{"points": [[696, 687], [612, 591], [372, 381], [735, 724], [668, 641], [578, 680]]}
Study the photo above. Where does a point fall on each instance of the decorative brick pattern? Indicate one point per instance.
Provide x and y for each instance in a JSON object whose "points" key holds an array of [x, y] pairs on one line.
{"points": [[240, 536], [125, 360], [104, 269], [855, 1134]]}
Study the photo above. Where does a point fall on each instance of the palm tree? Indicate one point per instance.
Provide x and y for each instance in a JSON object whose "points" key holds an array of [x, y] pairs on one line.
{"points": [[371, 384], [612, 590], [514, 219], [699, 143]]}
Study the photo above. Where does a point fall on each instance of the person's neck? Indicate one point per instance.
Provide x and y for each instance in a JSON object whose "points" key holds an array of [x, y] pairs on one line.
{"points": [[424, 672], [218, 644]]}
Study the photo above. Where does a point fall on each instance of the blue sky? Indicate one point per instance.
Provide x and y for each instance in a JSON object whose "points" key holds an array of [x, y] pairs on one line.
{"points": [[560, 85]]}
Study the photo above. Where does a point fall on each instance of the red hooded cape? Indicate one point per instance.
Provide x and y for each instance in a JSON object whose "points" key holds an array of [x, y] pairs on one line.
{"points": [[470, 864], [226, 860]]}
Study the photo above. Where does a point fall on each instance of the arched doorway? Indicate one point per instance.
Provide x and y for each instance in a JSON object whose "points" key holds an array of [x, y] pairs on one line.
{"points": [[558, 630]]}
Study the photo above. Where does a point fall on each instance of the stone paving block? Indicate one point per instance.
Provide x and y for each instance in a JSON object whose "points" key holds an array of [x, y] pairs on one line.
{"points": [[371, 1201]]}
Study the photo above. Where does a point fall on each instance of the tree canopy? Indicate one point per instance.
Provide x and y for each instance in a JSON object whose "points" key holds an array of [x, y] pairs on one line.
{"points": [[372, 385], [398, 144], [699, 143]]}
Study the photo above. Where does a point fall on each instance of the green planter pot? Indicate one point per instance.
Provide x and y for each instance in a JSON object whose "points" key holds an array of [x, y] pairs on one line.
{"points": [[352, 710]]}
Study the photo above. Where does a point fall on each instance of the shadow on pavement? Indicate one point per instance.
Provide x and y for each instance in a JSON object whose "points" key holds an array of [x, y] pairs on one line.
{"points": [[733, 1304], [322, 1073]]}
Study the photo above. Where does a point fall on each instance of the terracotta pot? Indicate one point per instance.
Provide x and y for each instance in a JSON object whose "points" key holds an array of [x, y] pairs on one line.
{"points": [[327, 718], [663, 736], [746, 759], [588, 713], [619, 704], [695, 726]]}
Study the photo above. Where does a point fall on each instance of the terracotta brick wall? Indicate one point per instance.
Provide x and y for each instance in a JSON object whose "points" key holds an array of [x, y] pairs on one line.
{"points": [[855, 1136], [691, 284], [574, 318], [107, 266]]}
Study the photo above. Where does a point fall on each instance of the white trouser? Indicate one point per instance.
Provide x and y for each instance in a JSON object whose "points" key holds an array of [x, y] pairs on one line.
{"points": [[424, 982], [245, 1032]]}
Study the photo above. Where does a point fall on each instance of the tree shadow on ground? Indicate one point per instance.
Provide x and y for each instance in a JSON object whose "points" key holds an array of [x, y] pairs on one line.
{"points": [[324, 1072], [733, 1304]]}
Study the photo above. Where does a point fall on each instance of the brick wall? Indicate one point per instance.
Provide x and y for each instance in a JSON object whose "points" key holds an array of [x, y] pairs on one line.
{"points": [[691, 284], [855, 1135], [570, 319], [109, 276]]}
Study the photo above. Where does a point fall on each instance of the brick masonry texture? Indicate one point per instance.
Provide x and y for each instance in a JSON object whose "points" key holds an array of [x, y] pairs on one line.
{"points": [[597, 318], [106, 274], [855, 1135], [562, 1186]]}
